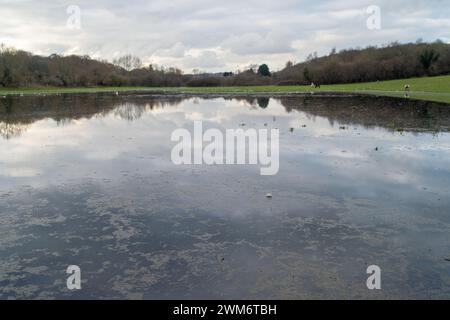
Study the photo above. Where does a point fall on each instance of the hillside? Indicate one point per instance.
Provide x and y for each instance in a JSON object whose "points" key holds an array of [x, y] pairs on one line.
{"points": [[396, 61]]}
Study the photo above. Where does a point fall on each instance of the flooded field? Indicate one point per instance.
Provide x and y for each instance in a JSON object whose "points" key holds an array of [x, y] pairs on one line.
{"points": [[88, 180]]}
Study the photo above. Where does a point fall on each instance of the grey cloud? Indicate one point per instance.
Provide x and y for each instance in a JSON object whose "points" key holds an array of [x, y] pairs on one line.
{"points": [[254, 43], [211, 33]]}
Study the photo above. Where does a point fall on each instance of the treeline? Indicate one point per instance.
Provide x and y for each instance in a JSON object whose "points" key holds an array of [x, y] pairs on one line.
{"points": [[394, 61], [23, 69]]}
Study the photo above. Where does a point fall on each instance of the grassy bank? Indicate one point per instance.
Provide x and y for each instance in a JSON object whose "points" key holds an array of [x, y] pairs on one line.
{"points": [[431, 89]]}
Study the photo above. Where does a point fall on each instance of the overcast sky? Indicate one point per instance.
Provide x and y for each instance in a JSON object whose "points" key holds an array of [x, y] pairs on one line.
{"points": [[213, 35]]}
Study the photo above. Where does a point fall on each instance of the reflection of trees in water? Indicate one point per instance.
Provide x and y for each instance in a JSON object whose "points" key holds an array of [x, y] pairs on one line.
{"points": [[263, 102], [390, 113], [385, 112], [17, 114], [252, 102], [64, 122], [11, 130], [129, 111], [132, 111]]}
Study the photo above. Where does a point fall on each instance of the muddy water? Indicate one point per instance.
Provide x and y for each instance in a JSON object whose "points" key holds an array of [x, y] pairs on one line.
{"points": [[88, 180]]}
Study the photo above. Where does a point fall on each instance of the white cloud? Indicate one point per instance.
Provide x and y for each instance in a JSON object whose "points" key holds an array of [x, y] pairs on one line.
{"points": [[205, 60]]}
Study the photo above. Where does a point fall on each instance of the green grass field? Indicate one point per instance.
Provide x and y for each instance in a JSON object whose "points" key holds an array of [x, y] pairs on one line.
{"points": [[428, 88]]}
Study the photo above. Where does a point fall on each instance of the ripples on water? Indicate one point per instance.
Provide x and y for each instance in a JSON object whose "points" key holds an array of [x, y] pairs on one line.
{"points": [[87, 180]]}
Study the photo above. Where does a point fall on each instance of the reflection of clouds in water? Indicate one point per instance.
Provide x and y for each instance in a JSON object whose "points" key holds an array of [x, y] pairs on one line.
{"points": [[101, 145], [321, 154], [18, 172]]}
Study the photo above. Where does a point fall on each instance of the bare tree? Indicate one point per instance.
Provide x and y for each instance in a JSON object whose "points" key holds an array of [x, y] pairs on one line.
{"points": [[128, 62]]}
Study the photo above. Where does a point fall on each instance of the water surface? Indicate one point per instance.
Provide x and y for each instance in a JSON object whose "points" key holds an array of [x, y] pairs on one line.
{"points": [[87, 180]]}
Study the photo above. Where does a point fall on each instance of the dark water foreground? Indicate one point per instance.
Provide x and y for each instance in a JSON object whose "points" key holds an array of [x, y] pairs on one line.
{"points": [[87, 180]]}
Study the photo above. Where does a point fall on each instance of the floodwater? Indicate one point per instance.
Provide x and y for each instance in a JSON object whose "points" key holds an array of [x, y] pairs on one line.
{"points": [[88, 180]]}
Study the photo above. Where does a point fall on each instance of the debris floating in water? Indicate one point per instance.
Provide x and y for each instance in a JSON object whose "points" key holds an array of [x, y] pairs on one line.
{"points": [[376, 149]]}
